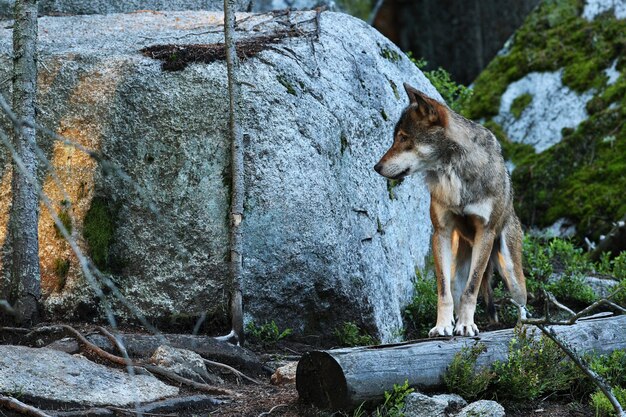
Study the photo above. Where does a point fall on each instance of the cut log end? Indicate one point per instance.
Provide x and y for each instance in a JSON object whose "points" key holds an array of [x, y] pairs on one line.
{"points": [[321, 381]]}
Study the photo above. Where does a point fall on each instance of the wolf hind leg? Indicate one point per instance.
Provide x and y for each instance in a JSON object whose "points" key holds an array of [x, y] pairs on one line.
{"points": [[507, 257], [461, 269], [487, 292]]}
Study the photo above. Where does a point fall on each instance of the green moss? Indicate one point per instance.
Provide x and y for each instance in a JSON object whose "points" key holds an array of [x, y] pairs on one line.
{"points": [[390, 54], [383, 114], [554, 36], [66, 220], [520, 103], [285, 83], [98, 231], [61, 269], [581, 178]]}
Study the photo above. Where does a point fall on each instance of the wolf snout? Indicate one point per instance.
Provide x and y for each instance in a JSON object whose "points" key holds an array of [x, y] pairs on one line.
{"points": [[378, 167]]}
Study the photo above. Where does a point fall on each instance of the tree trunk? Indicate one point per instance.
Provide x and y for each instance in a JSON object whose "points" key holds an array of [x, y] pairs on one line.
{"points": [[344, 378], [25, 203], [237, 187]]}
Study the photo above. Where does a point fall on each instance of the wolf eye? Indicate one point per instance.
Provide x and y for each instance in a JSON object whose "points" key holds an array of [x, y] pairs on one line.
{"points": [[402, 137]]}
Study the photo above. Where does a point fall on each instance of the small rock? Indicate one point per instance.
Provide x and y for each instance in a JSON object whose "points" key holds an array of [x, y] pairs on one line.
{"points": [[185, 363], [285, 374], [455, 401], [417, 404], [482, 408]]}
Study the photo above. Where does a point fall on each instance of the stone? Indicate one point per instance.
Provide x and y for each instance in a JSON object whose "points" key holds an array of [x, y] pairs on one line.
{"points": [[455, 401], [45, 375], [417, 404], [72, 7], [324, 239], [267, 5], [482, 408], [594, 8], [285, 374], [552, 108], [185, 363]]}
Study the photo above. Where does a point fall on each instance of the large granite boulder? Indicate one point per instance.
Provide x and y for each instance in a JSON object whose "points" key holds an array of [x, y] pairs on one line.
{"points": [[554, 97], [326, 239]]}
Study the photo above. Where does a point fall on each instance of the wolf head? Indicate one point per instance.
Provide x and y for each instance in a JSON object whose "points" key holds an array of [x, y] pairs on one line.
{"points": [[419, 139]]}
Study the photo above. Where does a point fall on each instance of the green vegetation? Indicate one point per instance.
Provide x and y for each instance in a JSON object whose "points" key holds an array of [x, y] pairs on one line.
{"points": [[393, 405], [390, 54], [520, 103], [98, 231], [267, 333], [603, 406], [581, 178], [350, 334], [421, 314], [66, 221], [391, 184], [357, 8], [285, 83], [462, 376], [535, 366], [455, 95]]}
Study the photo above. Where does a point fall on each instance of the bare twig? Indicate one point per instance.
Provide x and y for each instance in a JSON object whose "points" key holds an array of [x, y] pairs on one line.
{"points": [[14, 404], [267, 413], [95, 350], [231, 369], [597, 379]]}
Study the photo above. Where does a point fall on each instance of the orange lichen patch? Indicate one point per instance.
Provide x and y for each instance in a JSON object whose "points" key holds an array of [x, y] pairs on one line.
{"points": [[5, 204], [96, 88], [70, 194], [72, 190], [47, 73]]}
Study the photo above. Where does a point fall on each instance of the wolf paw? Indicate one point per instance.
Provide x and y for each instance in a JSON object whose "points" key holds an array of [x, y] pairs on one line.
{"points": [[438, 331], [466, 329]]}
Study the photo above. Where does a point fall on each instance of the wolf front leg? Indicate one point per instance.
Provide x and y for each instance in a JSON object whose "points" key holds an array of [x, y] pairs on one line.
{"points": [[442, 253], [481, 251]]}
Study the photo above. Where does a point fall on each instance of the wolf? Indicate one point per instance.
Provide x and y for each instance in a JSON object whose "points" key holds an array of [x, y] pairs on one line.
{"points": [[471, 208]]}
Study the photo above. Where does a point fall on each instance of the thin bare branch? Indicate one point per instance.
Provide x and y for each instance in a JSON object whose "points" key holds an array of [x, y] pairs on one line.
{"points": [[231, 369], [14, 404]]}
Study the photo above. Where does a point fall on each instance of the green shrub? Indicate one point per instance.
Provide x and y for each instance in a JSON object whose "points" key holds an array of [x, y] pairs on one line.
{"points": [[535, 366], [351, 335], [603, 406], [394, 401], [421, 313], [267, 333], [462, 378], [455, 95]]}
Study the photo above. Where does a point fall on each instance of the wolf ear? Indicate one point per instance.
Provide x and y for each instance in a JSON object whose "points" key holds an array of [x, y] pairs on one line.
{"points": [[427, 108]]}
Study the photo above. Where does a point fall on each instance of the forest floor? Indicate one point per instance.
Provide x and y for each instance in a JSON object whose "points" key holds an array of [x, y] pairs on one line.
{"points": [[265, 399]]}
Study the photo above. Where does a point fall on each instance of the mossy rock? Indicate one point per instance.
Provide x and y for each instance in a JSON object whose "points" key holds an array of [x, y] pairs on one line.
{"points": [[583, 177], [98, 231]]}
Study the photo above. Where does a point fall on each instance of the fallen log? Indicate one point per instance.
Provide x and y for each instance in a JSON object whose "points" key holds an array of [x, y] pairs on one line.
{"points": [[344, 378]]}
